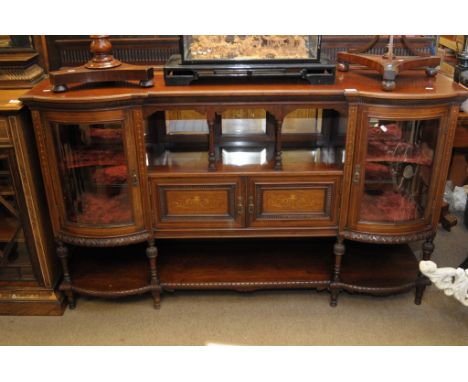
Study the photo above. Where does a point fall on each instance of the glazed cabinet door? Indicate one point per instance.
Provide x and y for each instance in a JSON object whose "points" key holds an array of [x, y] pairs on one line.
{"points": [[305, 201], [15, 252], [94, 171], [396, 168], [191, 203]]}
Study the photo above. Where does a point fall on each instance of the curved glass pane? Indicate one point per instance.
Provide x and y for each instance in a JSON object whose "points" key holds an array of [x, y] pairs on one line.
{"points": [[398, 169], [94, 173]]}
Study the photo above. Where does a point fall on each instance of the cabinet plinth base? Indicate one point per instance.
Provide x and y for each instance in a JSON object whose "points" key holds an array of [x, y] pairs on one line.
{"points": [[24, 301]]}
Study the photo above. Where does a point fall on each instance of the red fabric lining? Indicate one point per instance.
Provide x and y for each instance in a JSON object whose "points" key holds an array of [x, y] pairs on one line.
{"points": [[82, 158], [102, 209], [393, 132], [108, 134], [389, 151], [387, 207], [111, 175], [377, 171]]}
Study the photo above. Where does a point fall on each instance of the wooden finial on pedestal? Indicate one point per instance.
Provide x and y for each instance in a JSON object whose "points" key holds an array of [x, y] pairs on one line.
{"points": [[101, 49], [102, 67]]}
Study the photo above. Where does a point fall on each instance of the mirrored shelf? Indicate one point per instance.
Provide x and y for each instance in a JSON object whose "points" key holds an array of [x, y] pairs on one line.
{"points": [[249, 159], [310, 139], [185, 122], [303, 121], [244, 122]]}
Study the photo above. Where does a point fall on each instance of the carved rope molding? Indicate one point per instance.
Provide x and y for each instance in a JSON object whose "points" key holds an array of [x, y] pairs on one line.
{"points": [[454, 282], [387, 239], [104, 242]]}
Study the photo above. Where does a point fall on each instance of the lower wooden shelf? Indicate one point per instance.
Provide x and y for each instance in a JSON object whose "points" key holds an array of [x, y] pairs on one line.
{"points": [[251, 264], [244, 265], [378, 269], [110, 272]]}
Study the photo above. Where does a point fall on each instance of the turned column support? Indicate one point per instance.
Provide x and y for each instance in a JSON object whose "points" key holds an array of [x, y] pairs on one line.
{"points": [[66, 285], [338, 251], [278, 145], [211, 149], [152, 254], [423, 281]]}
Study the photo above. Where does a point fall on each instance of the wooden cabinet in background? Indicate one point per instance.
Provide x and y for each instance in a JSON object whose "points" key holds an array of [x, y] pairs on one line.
{"points": [[29, 271], [458, 173]]}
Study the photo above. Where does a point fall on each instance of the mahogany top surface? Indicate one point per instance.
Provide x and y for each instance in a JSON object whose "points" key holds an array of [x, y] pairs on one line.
{"points": [[411, 85]]}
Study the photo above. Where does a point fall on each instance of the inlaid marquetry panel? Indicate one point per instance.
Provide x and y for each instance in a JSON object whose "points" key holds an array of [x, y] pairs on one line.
{"points": [[4, 136], [293, 201], [198, 202]]}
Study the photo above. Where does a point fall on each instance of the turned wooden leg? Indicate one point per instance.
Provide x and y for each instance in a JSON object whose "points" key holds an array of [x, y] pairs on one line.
{"points": [[152, 254], [422, 281], [62, 253], [338, 250], [211, 148]]}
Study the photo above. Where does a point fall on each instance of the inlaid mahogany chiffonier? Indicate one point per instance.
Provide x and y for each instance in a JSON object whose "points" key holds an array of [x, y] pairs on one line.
{"points": [[245, 186]]}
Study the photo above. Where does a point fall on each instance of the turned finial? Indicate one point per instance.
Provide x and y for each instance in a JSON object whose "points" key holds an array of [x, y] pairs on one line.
{"points": [[101, 49]]}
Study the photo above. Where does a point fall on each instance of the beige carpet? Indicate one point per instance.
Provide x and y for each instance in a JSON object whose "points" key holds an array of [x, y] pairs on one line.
{"points": [[259, 318]]}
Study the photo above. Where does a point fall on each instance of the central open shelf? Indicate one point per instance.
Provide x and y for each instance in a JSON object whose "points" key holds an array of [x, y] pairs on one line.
{"points": [[251, 264]]}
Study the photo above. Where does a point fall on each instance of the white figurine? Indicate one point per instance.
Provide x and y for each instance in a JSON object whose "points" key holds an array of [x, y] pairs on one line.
{"points": [[454, 282]]}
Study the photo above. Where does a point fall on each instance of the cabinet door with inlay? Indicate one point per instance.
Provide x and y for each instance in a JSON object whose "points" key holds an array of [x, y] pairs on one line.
{"points": [[309, 201], [198, 202]]}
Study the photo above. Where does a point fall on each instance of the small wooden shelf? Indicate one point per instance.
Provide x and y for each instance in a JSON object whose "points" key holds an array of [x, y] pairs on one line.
{"points": [[92, 158], [110, 272], [199, 163], [401, 159], [382, 269]]}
